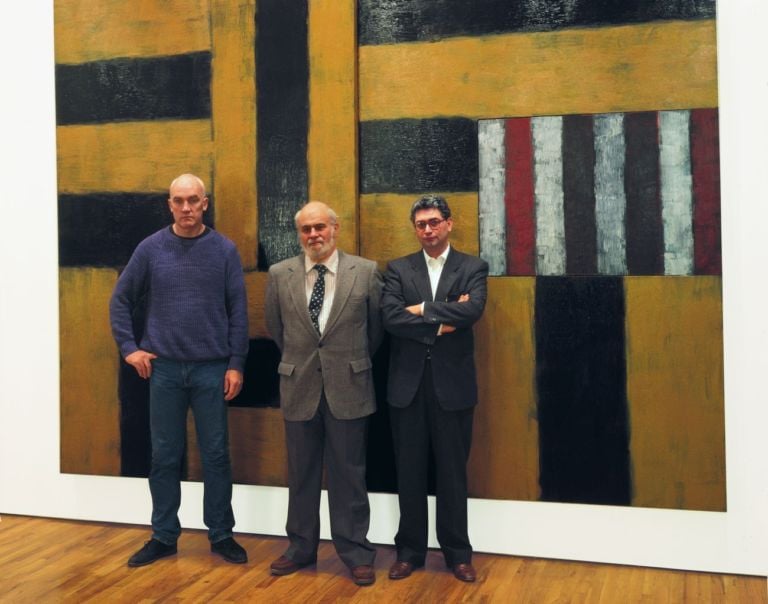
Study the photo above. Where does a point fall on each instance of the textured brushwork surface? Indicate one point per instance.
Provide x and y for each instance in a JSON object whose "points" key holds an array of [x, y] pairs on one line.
{"points": [[176, 87], [233, 107], [571, 181], [132, 157], [394, 21], [581, 386], [705, 167], [614, 194], [504, 461], [674, 351], [332, 138], [547, 136], [660, 65], [95, 30], [417, 156], [282, 91], [90, 439]]}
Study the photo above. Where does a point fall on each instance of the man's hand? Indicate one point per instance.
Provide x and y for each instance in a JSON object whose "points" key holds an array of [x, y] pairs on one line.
{"points": [[141, 361], [233, 383], [444, 329], [415, 309]]}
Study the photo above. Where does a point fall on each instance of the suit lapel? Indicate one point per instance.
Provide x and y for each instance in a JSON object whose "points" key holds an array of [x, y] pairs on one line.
{"points": [[449, 275], [420, 276], [298, 289], [345, 279]]}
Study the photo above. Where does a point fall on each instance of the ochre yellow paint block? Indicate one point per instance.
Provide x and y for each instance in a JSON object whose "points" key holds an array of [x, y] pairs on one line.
{"points": [[91, 30], [674, 343], [332, 138], [90, 408], [504, 461], [661, 65], [132, 156]]}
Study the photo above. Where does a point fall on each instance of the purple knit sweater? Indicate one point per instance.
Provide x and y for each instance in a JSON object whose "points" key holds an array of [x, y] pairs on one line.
{"points": [[196, 307]]}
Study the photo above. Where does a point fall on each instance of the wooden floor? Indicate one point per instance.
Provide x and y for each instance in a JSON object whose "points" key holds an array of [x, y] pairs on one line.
{"points": [[44, 560]]}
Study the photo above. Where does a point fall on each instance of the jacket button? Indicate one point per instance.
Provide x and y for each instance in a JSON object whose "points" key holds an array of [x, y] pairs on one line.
{"points": [[320, 345]]}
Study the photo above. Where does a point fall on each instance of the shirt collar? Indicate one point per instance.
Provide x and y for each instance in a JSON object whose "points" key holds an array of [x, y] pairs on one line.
{"points": [[331, 263], [441, 258]]}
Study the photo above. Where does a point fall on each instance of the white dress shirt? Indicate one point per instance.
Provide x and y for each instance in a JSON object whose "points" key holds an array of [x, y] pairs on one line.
{"points": [[435, 268]]}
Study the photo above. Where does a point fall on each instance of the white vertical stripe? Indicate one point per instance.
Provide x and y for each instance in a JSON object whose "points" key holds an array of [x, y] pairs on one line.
{"points": [[610, 198], [547, 135], [492, 217], [676, 192]]}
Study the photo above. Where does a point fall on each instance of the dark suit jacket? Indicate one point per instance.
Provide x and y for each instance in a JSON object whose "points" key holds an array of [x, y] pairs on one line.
{"points": [[339, 361], [406, 282]]}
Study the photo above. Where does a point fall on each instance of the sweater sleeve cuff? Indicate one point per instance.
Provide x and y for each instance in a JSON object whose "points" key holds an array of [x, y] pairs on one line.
{"points": [[128, 348], [237, 363]]}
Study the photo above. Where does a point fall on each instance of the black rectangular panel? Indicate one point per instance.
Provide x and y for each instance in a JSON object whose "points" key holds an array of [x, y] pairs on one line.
{"points": [[174, 87], [395, 21], [581, 386], [418, 155]]}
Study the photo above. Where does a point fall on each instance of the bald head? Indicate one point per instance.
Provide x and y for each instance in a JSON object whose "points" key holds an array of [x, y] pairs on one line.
{"points": [[317, 225], [316, 206], [189, 180], [187, 203]]}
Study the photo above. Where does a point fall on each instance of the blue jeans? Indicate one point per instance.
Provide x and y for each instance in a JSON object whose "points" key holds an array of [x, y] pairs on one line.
{"points": [[175, 386]]}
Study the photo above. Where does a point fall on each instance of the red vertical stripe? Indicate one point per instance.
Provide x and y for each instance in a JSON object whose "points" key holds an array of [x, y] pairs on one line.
{"points": [[705, 169], [518, 198]]}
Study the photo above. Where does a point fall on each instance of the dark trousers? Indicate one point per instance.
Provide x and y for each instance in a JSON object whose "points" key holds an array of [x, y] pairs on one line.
{"points": [[342, 443], [415, 428], [174, 387]]}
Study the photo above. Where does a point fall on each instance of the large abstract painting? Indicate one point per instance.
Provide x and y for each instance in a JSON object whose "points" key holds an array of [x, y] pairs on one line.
{"points": [[577, 143]]}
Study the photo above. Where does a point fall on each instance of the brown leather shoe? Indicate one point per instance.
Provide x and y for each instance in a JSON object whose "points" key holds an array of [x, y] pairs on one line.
{"points": [[363, 575], [465, 572], [400, 570], [285, 566]]}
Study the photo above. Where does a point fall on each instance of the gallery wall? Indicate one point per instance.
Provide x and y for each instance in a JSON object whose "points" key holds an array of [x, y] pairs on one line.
{"points": [[30, 482]]}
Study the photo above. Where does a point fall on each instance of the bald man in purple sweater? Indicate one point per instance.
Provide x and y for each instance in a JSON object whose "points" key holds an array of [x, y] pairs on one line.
{"points": [[192, 351]]}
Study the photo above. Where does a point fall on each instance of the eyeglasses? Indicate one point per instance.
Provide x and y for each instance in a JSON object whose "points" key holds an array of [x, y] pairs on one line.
{"points": [[432, 222], [319, 227]]}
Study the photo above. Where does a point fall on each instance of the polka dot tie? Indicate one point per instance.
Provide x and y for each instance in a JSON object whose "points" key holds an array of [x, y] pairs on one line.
{"points": [[318, 293]]}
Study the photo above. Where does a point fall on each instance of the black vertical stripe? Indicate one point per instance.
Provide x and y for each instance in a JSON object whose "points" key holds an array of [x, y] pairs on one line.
{"points": [[282, 86], [581, 385], [644, 228], [579, 195]]}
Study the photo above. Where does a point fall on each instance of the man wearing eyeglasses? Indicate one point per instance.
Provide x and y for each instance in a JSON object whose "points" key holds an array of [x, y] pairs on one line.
{"points": [[430, 302], [188, 279], [322, 310]]}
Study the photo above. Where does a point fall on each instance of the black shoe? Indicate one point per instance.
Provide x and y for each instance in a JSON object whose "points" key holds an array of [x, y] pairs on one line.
{"points": [[230, 550], [153, 550]]}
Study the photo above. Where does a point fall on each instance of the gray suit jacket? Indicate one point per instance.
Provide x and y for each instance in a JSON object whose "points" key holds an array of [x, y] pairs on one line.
{"points": [[339, 361]]}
